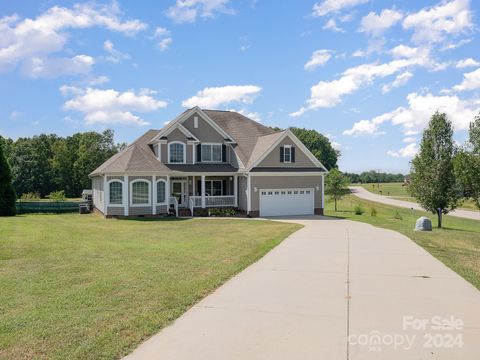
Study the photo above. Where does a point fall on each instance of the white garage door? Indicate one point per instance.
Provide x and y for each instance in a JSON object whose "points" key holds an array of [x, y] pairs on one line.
{"points": [[279, 202]]}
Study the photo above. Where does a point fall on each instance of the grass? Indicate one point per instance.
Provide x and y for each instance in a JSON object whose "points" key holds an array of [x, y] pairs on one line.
{"points": [[399, 192], [82, 287], [457, 245]]}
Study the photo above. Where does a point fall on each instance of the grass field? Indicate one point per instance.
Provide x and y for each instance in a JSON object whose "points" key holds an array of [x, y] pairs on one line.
{"points": [[398, 191], [457, 245], [82, 287]]}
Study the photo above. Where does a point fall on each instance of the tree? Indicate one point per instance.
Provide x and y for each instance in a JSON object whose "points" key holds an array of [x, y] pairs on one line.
{"points": [[432, 177], [467, 164], [7, 193], [336, 185]]}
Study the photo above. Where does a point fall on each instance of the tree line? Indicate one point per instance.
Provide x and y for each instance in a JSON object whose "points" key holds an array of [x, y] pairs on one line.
{"points": [[47, 163], [373, 176]]}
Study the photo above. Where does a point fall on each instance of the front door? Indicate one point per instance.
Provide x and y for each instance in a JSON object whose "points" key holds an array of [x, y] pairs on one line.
{"points": [[178, 190]]}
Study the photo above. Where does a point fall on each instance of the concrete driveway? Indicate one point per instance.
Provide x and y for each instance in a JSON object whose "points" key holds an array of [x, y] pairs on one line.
{"points": [[367, 195], [335, 289]]}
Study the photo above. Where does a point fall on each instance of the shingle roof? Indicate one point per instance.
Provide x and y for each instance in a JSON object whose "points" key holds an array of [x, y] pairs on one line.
{"points": [[246, 132], [137, 157]]}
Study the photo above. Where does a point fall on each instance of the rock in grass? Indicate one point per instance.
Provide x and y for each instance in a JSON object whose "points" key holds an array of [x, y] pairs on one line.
{"points": [[423, 224]]}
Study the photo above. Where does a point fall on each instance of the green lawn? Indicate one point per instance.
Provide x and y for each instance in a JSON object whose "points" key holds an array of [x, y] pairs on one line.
{"points": [[82, 287], [457, 245], [399, 192]]}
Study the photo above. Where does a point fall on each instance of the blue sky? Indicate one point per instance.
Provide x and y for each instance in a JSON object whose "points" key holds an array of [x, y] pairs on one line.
{"points": [[366, 73]]}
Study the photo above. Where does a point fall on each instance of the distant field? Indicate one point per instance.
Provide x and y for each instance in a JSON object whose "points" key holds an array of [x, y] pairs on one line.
{"points": [[399, 192]]}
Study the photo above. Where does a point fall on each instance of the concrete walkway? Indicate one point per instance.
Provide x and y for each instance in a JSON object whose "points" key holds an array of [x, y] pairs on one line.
{"points": [[331, 281], [367, 195]]}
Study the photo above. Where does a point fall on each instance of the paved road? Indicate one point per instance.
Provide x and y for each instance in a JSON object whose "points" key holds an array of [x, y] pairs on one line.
{"points": [[331, 278], [367, 195]]}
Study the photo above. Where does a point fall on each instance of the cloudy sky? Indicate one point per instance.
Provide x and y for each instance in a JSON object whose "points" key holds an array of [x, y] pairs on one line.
{"points": [[366, 73]]}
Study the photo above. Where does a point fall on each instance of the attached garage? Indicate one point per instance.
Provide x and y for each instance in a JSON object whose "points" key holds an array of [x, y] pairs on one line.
{"points": [[280, 202]]}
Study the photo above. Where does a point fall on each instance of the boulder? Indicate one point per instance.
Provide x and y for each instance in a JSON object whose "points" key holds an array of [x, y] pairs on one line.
{"points": [[423, 224]]}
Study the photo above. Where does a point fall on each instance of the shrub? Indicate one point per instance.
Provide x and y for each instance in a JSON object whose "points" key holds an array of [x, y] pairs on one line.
{"points": [[358, 210], [397, 215], [222, 212], [30, 196], [373, 212], [57, 195]]}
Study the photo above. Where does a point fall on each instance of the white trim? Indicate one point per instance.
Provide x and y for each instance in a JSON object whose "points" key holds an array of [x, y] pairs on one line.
{"points": [[249, 195], [104, 195], [323, 192], [156, 194], [149, 193], [203, 191], [184, 152], [159, 152], [288, 173], [183, 129], [289, 147], [235, 189], [107, 194], [297, 142], [125, 196]]}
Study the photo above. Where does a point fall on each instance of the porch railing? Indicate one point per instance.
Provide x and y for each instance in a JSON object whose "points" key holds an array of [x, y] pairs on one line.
{"points": [[214, 201], [191, 205]]}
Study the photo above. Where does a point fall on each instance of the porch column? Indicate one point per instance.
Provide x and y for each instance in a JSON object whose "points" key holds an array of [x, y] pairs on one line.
{"points": [[203, 191], [235, 185], [154, 194], [168, 191]]}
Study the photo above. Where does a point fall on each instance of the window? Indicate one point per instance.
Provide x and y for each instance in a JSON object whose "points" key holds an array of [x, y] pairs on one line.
{"points": [[115, 193], [213, 187], [211, 152], [176, 152], [161, 187], [140, 193], [287, 154]]}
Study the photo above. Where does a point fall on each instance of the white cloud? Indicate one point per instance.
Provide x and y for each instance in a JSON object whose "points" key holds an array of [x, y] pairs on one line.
{"points": [[30, 43], [164, 38], [110, 106], [336, 145], [409, 139], [467, 63], [328, 6], [99, 80], [400, 80], [327, 94], [416, 116], [114, 56], [319, 57], [376, 24], [332, 25], [432, 25], [471, 81], [185, 11], [408, 151], [212, 97]]}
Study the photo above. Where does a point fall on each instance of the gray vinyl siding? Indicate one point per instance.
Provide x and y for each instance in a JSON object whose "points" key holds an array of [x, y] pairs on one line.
{"points": [[285, 182], [242, 193], [273, 158], [115, 210], [205, 132], [98, 193]]}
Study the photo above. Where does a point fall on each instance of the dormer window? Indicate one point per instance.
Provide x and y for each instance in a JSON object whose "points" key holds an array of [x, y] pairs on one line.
{"points": [[176, 153], [287, 155], [212, 153]]}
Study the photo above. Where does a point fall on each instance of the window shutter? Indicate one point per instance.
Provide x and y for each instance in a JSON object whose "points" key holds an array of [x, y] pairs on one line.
{"points": [[199, 187], [199, 153], [281, 154], [224, 153], [292, 152], [224, 187]]}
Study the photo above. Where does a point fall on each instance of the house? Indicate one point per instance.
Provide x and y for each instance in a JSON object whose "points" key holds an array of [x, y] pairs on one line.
{"points": [[209, 159]]}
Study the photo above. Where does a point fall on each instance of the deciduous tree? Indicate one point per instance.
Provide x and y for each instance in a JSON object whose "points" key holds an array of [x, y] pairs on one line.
{"points": [[336, 185], [7, 193]]}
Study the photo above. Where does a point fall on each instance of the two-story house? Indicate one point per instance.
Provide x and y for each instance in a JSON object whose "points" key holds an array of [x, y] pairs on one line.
{"points": [[210, 158]]}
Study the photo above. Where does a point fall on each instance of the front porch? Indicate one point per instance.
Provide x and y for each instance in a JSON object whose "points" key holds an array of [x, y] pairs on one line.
{"points": [[203, 191]]}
